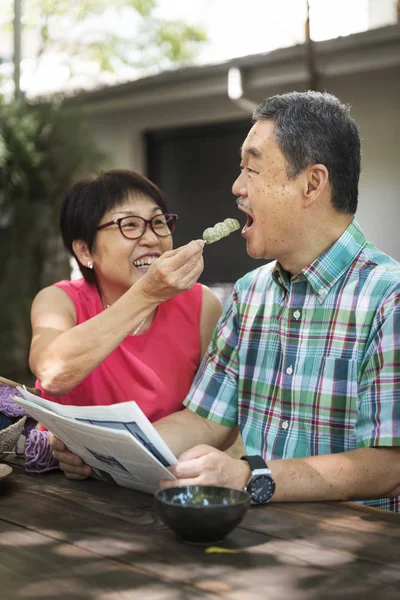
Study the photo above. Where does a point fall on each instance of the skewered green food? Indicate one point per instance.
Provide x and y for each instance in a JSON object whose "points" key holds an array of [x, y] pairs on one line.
{"points": [[220, 230]]}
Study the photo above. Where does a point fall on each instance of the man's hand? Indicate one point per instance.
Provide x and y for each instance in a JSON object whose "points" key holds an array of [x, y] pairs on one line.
{"points": [[72, 465], [204, 465]]}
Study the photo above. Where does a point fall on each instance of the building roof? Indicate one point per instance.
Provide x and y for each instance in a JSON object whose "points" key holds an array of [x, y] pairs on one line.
{"points": [[367, 51]]}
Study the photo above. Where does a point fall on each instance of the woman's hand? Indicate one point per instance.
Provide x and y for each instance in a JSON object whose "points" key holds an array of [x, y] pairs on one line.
{"points": [[72, 465], [174, 272]]}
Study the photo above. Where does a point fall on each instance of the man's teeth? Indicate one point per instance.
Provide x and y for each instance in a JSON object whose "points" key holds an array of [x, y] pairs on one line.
{"points": [[144, 262]]}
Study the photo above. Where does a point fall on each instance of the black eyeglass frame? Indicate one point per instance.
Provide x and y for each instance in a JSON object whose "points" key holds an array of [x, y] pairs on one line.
{"points": [[170, 218]]}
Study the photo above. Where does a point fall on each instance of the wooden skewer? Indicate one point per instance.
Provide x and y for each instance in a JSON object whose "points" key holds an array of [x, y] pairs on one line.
{"points": [[15, 384]]}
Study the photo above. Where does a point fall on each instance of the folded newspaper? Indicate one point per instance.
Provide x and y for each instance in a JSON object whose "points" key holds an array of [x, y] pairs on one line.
{"points": [[118, 441]]}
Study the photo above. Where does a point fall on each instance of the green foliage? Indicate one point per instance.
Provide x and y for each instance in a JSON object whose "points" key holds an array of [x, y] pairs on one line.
{"points": [[88, 32], [172, 40], [42, 149]]}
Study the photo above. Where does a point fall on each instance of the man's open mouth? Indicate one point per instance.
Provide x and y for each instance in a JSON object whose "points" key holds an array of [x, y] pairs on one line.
{"points": [[249, 221]]}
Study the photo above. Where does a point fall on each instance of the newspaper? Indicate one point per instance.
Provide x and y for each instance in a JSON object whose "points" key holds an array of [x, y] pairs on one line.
{"points": [[118, 441]]}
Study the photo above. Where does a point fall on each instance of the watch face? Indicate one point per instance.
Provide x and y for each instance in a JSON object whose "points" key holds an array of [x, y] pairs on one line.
{"points": [[261, 488]]}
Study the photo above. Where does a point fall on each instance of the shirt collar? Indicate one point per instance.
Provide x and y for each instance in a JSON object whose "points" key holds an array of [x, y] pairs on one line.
{"points": [[325, 271], [281, 277]]}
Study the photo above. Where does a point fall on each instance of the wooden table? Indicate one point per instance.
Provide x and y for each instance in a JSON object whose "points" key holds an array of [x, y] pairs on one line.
{"points": [[93, 541]]}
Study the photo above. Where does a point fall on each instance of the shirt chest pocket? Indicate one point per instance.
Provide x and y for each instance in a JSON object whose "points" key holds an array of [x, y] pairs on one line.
{"points": [[326, 401], [335, 378]]}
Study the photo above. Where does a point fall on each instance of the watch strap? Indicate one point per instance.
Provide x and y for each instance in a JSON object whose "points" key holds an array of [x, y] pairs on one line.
{"points": [[255, 461]]}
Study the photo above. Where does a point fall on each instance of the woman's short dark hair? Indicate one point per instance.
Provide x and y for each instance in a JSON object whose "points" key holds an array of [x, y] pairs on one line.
{"points": [[316, 128], [89, 199]]}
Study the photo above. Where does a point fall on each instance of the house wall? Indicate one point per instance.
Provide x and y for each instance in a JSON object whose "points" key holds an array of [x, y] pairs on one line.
{"points": [[381, 12], [375, 100]]}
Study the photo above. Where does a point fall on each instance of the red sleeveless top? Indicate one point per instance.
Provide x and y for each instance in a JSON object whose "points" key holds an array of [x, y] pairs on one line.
{"points": [[155, 368]]}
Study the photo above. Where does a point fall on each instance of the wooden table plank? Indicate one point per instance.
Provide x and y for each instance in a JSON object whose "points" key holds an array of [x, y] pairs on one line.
{"points": [[292, 550], [36, 566], [337, 527]]}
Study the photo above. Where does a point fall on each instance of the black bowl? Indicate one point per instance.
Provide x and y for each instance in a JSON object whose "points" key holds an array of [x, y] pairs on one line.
{"points": [[201, 514]]}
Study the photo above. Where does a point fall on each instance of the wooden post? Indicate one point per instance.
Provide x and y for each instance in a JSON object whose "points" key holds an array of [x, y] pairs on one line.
{"points": [[310, 54], [17, 49]]}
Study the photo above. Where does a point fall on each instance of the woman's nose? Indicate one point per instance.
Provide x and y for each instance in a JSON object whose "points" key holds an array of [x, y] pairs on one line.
{"points": [[149, 237]]}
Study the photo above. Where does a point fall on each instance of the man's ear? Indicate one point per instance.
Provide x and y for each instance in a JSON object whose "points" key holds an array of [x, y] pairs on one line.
{"points": [[82, 252], [317, 180]]}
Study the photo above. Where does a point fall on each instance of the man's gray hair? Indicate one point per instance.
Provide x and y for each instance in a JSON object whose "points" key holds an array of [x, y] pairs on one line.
{"points": [[316, 128]]}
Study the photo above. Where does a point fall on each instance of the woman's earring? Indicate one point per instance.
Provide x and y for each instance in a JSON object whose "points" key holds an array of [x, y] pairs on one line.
{"points": [[90, 265]]}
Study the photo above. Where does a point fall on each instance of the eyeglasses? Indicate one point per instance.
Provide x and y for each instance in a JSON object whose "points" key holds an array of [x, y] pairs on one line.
{"points": [[134, 227]]}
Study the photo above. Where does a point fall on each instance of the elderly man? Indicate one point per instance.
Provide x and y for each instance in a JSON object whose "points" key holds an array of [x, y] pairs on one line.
{"points": [[306, 357]]}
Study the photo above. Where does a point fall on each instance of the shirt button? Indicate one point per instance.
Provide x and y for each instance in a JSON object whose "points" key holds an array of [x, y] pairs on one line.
{"points": [[297, 314], [289, 370], [285, 425]]}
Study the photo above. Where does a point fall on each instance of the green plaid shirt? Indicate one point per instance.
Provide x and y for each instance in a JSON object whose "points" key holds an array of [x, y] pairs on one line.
{"points": [[309, 364]]}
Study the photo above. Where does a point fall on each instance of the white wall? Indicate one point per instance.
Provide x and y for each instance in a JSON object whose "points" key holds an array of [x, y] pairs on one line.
{"points": [[120, 133], [375, 102], [381, 13]]}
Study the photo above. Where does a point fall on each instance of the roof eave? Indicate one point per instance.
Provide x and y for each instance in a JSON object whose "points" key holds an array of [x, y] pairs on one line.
{"points": [[370, 50]]}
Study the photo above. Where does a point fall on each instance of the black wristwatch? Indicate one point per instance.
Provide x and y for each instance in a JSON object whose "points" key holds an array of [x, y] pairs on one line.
{"points": [[261, 485]]}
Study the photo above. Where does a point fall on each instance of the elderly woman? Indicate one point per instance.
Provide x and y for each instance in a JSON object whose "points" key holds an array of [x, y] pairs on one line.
{"points": [[136, 326]]}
